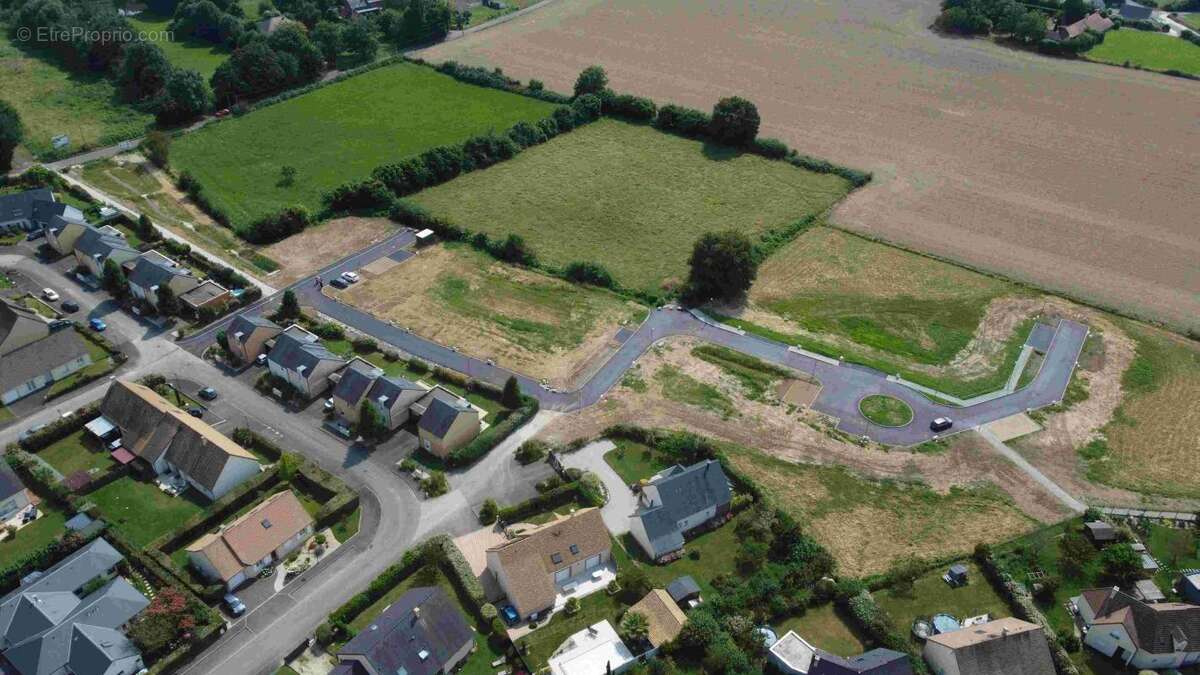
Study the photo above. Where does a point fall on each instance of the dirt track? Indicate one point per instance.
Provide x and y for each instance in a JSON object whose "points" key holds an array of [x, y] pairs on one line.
{"points": [[1076, 176]]}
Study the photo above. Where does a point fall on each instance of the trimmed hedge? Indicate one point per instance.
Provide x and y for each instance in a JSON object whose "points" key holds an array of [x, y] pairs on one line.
{"points": [[1023, 607], [493, 435], [877, 623], [59, 429], [559, 496]]}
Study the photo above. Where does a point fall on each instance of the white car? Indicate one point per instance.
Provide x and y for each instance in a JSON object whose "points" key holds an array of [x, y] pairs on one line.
{"points": [[49, 294], [352, 277]]}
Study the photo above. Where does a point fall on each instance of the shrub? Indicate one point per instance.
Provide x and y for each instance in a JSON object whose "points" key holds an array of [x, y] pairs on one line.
{"points": [[592, 80], [532, 451], [734, 121], [436, 485], [483, 151], [511, 396], [329, 331], [526, 134], [634, 108], [589, 273], [418, 366], [683, 121], [364, 195], [572, 606], [277, 226], [771, 148], [488, 512], [488, 611], [364, 345], [586, 108]]}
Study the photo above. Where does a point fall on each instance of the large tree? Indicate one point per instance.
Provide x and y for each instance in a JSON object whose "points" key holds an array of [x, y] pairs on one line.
{"points": [[358, 39], [1074, 10], [371, 425], [1121, 563], [511, 397], [11, 133], [734, 121], [327, 36], [114, 280], [289, 308], [185, 97], [723, 265], [143, 72], [592, 80]]}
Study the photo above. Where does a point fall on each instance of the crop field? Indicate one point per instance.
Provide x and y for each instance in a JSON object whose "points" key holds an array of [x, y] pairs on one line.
{"points": [[966, 145], [198, 55], [339, 133], [53, 101], [1154, 51], [630, 198], [533, 323]]}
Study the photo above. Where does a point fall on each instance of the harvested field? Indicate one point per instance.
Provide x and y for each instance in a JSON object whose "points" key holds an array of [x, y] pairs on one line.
{"points": [[630, 198], [317, 247], [968, 139], [527, 321]]}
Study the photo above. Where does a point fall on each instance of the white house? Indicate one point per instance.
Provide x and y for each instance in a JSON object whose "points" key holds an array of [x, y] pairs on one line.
{"points": [[261, 537], [32, 355], [1144, 636], [675, 501]]}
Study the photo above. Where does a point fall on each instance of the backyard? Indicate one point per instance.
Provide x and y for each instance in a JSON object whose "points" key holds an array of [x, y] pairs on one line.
{"points": [[338, 133], [77, 452], [652, 193], [141, 511], [826, 628], [33, 536], [1153, 51], [930, 595]]}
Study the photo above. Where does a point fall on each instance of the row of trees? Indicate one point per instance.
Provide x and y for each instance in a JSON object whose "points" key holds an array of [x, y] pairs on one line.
{"points": [[12, 131]]}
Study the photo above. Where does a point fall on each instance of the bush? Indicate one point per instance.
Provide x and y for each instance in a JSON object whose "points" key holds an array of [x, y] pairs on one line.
{"points": [[418, 366], [532, 451], [436, 485], [277, 226], [364, 345], [683, 121], [364, 195], [633, 108], [586, 108], [589, 273], [592, 80], [734, 121], [488, 512], [771, 148], [329, 331]]}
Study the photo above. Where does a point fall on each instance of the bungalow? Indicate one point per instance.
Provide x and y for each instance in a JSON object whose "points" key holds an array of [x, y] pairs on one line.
{"points": [[793, 655], [1142, 636], [151, 271], [593, 650], [300, 359], [1002, 647], [34, 209], [447, 423], [678, 500], [71, 618], [362, 381], [1095, 22], [13, 494], [1136, 12], [32, 354], [172, 441], [207, 293], [663, 616], [248, 336], [261, 537], [96, 246], [421, 633], [535, 565]]}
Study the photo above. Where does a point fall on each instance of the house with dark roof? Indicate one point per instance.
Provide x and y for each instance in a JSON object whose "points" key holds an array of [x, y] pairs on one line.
{"points": [[1002, 647], [1095, 22], [13, 494], [173, 442], [151, 271], [535, 565], [352, 385], [1189, 586], [447, 423], [96, 246], [1143, 636], [55, 623], [1136, 12], [207, 293], [1100, 533], [263, 536], [249, 335], [684, 591], [793, 655], [35, 209], [61, 223], [300, 359], [676, 501], [354, 9], [392, 397], [421, 633], [32, 354]]}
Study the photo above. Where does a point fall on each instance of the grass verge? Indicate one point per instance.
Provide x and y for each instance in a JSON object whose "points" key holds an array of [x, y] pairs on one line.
{"points": [[886, 411]]}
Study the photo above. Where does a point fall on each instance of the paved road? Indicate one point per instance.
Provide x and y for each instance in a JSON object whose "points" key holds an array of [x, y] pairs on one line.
{"points": [[1015, 457]]}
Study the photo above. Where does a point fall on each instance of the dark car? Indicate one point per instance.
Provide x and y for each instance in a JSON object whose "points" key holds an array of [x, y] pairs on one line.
{"points": [[338, 282], [510, 615], [941, 424], [208, 393], [196, 412], [69, 306]]}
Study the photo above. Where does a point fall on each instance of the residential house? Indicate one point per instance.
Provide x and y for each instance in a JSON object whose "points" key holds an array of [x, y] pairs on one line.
{"points": [[32, 354], [663, 616], [676, 501], [1189, 586], [35, 209], [63, 227], [421, 633], [172, 441], [248, 336], [1100, 533], [594, 650], [1006, 646], [793, 655], [392, 397], [96, 246], [353, 9], [1136, 12], [261, 537], [1141, 635], [447, 423], [1095, 22], [300, 359], [151, 271], [353, 383], [534, 566], [207, 293], [13, 494], [56, 623]]}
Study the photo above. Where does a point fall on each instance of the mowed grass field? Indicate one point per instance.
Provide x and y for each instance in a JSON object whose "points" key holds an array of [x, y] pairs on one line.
{"points": [[1154, 51], [340, 133], [868, 525], [630, 198], [198, 55], [53, 101]]}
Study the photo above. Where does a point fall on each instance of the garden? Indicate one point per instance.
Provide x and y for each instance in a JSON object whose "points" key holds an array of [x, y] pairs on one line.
{"points": [[78, 452], [141, 511], [912, 597], [33, 537]]}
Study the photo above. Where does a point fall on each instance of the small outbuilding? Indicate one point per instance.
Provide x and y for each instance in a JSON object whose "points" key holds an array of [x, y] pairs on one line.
{"points": [[1100, 533], [1147, 591], [957, 575], [684, 591]]}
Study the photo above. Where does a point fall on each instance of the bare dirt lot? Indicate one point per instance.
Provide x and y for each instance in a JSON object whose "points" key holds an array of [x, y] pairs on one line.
{"points": [[1073, 175], [317, 247]]}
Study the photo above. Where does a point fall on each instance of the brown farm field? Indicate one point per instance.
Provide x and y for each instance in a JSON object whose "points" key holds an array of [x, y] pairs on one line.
{"points": [[1037, 168], [317, 247]]}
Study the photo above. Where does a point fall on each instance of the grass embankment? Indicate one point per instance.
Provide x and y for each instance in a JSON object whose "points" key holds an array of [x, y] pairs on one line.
{"points": [[338, 133], [756, 377], [1152, 51], [680, 387], [630, 198], [886, 411]]}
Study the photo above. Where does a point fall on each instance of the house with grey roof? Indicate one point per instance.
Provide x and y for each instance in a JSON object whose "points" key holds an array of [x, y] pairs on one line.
{"points": [[96, 246], [62, 224], [32, 354], [392, 397], [351, 386], [447, 423], [1002, 647], [1136, 12], [207, 293], [676, 501], [300, 359], [793, 655], [34, 209], [55, 623], [1141, 635], [13, 494], [151, 271], [421, 633], [249, 335]]}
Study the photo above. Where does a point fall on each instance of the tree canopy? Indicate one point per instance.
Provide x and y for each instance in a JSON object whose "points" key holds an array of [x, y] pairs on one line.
{"points": [[734, 121], [11, 133], [723, 266], [592, 80]]}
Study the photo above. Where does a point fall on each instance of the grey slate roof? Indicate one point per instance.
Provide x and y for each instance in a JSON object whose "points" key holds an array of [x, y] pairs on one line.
{"points": [[357, 378], [25, 363], [95, 649], [394, 641], [441, 414], [874, 662], [10, 483], [1132, 10], [93, 243], [21, 205], [682, 492], [245, 324], [294, 349], [683, 588], [154, 269], [1157, 627], [391, 388]]}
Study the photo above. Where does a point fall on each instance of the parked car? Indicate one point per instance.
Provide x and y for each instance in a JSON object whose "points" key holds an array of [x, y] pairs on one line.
{"points": [[97, 325], [50, 294], [510, 615], [69, 306], [235, 604], [31, 431], [941, 424], [195, 411], [338, 282], [352, 277], [208, 393]]}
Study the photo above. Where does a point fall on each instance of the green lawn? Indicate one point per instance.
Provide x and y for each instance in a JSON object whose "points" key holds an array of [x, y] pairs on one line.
{"points": [[824, 627], [630, 198], [143, 512], [53, 101], [1039, 551], [1154, 51], [198, 55], [77, 452], [886, 411], [39, 306], [347, 527], [931, 595], [683, 388], [1158, 543], [5, 282], [5, 414], [340, 133], [1191, 20], [548, 637], [634, 462], [33, 536], [715, 553]]}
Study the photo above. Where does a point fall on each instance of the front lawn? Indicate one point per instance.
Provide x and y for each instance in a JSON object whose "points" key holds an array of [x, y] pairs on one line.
{"points": [[339, 133], [634, 462], [1153, 51], [77, 452], [630, 198], [347, 527], [33, 536], [931, 595], [143, 512], [39, 306]]}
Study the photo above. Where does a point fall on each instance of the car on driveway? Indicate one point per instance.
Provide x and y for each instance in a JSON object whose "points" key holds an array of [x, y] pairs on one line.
{"points": [[195, 411], [208, 393], [941, 424], [50, 294], [69, 306], [510, 615], [97, 325], [338, 282], [352, 277], [234, 604]]}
